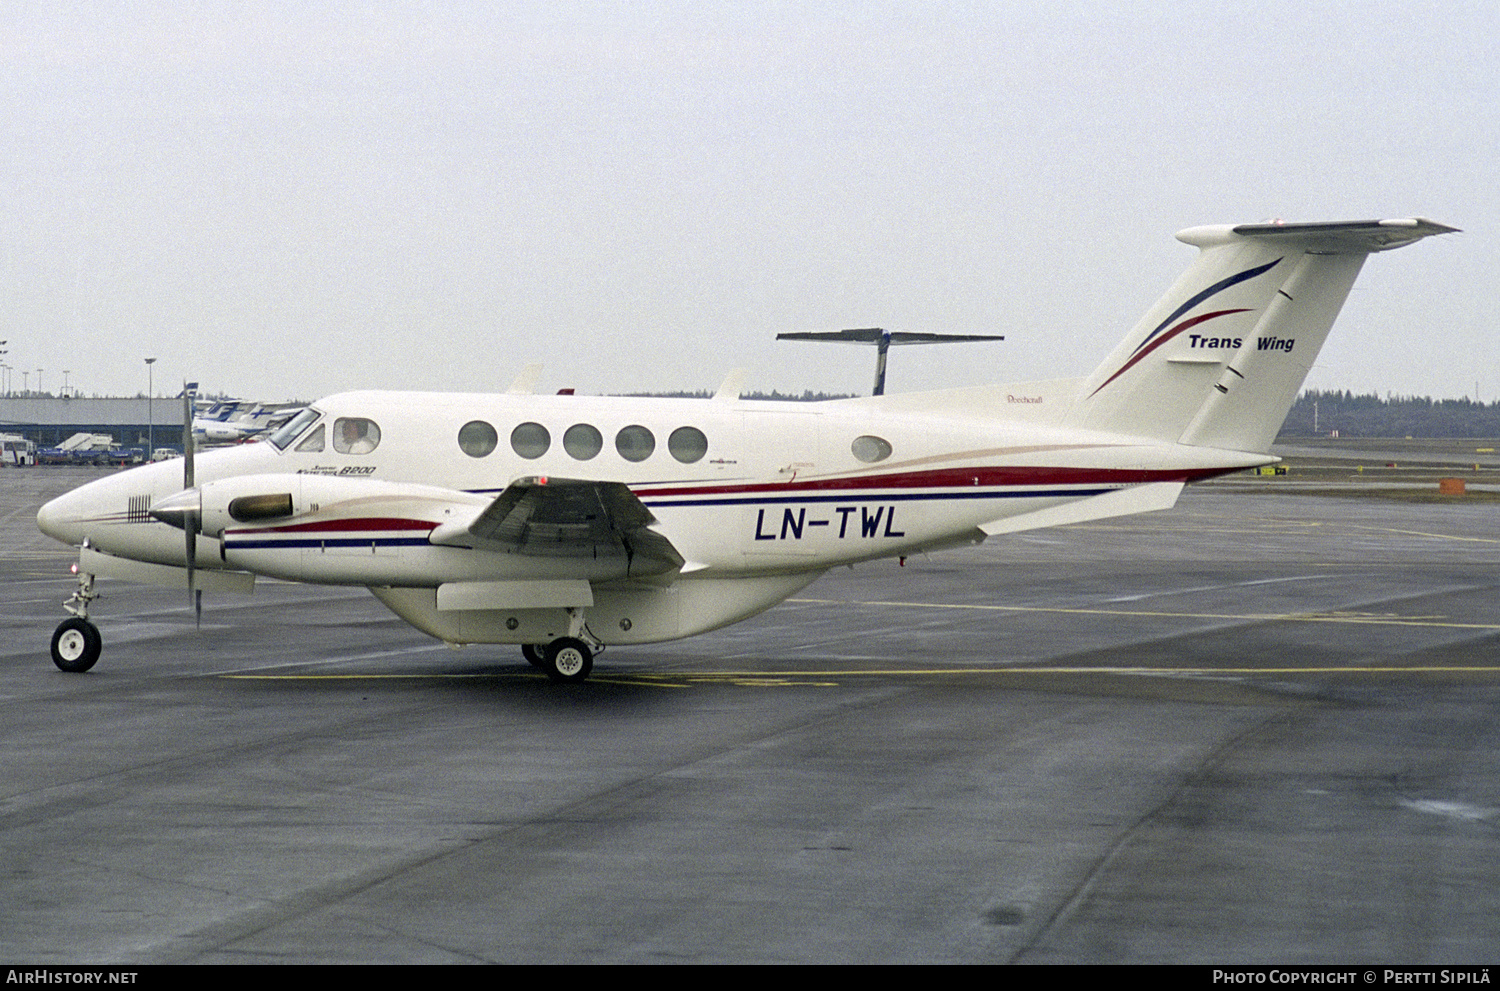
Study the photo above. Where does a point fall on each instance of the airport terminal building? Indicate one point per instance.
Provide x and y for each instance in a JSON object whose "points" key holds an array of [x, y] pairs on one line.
{"points": [[48, 420]]}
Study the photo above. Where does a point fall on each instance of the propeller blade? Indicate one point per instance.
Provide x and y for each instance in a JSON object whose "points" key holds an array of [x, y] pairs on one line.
{"points": [[189, 393], [190, 532], [192, 518], [185, 510]]}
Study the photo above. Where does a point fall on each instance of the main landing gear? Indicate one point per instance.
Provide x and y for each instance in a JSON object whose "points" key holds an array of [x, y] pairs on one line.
{"points": [[76, 642], [564, 659], [567, 658]]}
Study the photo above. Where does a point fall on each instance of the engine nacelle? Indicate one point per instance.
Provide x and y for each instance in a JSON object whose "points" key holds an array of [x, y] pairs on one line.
{"points": [[253, 501]]}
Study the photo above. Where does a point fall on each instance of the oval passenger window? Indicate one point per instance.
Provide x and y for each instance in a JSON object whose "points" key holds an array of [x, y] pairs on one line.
{"points": [[583, 441], [530, 440], [477, 438], [870, 449], [635, 443], [687, 444]]}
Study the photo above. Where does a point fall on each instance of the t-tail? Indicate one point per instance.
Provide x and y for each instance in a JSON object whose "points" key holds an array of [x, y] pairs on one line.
{"points": [[1218, 360]]}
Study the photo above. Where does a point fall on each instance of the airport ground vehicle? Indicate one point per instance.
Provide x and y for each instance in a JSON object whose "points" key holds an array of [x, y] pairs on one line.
{"points": [[16, 451]]}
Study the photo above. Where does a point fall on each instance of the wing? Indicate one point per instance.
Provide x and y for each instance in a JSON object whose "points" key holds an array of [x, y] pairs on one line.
{"points": [[564, 517]]}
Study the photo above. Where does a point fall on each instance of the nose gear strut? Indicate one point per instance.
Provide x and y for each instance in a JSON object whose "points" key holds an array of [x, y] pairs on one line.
{"points": [[76, 642]]}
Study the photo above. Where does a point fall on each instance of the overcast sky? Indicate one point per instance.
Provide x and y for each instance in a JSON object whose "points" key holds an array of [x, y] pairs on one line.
{"points": [[292, 199]]}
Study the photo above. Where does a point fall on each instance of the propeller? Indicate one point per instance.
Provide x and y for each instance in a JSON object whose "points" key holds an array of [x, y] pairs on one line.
{"points": [[192, 514], [185, 509]]}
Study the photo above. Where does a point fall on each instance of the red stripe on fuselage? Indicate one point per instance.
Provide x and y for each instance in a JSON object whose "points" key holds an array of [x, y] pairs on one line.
{"points": [[344, 526], [955, 478]]}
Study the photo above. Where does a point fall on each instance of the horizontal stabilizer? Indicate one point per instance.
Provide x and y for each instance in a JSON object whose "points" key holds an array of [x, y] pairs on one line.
{"points": [[883, 339], [875, 335], [1363, 236], [1146, 498]]}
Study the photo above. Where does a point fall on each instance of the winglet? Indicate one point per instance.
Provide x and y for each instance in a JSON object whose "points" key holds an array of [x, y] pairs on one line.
{"points": [[733, 384], [525, 383]]}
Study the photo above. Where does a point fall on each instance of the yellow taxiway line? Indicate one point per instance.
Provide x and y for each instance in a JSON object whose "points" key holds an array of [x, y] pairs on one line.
{"points": [[829, 678], [1356, 618]]}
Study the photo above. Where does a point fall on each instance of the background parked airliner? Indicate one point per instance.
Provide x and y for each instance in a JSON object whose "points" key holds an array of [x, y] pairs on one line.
{"points": [[567, 523]]}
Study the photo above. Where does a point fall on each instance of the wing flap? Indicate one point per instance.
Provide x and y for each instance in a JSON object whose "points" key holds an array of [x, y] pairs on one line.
{"points": [[564, 517]]}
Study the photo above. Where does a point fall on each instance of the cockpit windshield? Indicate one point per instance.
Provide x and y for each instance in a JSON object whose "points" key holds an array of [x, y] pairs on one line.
{"points": [[289, 430]]}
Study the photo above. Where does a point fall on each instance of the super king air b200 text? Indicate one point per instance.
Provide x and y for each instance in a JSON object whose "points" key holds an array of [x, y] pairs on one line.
{"points": [[567, 523]]}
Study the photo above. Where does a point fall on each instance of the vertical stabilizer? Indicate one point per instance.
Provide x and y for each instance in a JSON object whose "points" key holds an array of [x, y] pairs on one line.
{"points": [[1218, 360]]}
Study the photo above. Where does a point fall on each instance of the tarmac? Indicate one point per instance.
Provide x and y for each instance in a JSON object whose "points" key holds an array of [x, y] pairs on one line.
{"points": [[1257, 728]]}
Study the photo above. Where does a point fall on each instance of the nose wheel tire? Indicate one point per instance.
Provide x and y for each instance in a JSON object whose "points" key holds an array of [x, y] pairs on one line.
{"points": [[567, 659], [76, 645], [535, 654]]}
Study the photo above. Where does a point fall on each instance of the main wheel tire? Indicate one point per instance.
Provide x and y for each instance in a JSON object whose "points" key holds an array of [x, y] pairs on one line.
{"points": [[568, 660], [535, 654], [76, 645]]}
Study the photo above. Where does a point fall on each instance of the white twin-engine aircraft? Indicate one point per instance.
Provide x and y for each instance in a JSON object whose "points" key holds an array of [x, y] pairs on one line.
{"points": [[567, 523]]}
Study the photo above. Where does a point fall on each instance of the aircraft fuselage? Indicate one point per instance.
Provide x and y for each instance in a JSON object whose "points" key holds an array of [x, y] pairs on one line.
{"points": [[740, 489]]}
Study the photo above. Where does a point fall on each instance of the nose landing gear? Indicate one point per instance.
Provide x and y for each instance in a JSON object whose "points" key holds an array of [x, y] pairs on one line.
{"points": [[76, 643]]}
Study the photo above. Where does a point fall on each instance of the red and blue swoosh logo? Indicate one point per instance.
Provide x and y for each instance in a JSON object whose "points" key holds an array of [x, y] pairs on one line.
{"points": [[1162, 334]]}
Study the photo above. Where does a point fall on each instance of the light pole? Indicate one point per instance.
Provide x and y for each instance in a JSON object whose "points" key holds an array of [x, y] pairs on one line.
{"points": [[150, 413], [66, 373], [39, 380]]}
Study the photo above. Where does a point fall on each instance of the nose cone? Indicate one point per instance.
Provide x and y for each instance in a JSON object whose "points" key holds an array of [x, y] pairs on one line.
{"points": [[64, 518]]}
